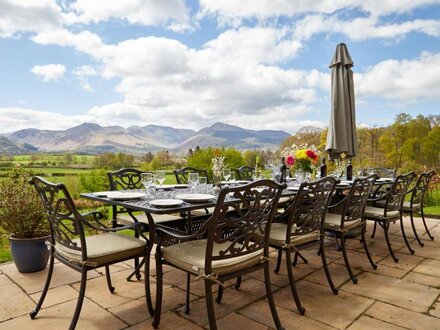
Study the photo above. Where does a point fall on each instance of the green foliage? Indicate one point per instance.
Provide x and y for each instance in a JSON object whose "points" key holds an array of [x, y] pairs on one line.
{"points": [[114, 161], [202, 158], [95, 180], [21, 212]]}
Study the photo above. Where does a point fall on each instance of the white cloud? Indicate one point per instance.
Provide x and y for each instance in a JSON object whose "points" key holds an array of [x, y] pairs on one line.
{"points": [[170, 13], [83, 73], [406, 80], [49, 72], [234, 12], [19, 118], [30, 16]]}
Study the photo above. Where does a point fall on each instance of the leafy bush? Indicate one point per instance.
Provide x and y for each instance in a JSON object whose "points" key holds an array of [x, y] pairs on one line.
{"points": [[21, 212], [95, 180]]}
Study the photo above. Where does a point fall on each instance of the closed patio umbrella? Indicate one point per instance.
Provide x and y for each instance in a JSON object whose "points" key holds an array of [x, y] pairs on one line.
{"points": [[341, 136]]}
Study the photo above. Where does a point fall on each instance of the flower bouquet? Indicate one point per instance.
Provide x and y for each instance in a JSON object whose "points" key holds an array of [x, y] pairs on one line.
{"points": [[218, 164], [302, 159]]}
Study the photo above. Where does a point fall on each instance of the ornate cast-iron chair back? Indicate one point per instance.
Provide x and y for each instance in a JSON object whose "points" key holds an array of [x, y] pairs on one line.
{"points": [[416, 203], [245, 173], [183, 174], [125, 179], [388, 209], [351, 217], [72, 247], [234, 242]]}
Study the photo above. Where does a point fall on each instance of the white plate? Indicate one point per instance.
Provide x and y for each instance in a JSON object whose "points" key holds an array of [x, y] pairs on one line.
{"points": [[194, 198], [107, 193], [126, 195], [346, 181], [295, 188], [235, 182], [166, 202]]}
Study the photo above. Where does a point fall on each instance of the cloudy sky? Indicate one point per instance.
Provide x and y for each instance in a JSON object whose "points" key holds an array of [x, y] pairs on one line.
{"points": [[260, 64]]}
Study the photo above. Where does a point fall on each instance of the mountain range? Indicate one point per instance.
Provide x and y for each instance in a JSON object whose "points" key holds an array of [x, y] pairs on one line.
{"points": [[95, 139]]}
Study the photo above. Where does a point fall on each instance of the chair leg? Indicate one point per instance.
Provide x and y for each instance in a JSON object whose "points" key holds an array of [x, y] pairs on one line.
{"points": [[387, 239], [295, 259], [147, 285], [301, 309], [82, 291], [404, 235], [414, 229], [111, 288], [364, 243], [374, 230], [159, 279], [219, 294], [238, 283], [424, 223], [187, 296], [278, 265], [210, 305], [136, 270], [347, 263], [324, 263], [37, 308], [269, 294]]}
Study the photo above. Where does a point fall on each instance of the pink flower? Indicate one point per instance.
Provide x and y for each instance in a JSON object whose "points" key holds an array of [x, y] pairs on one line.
{"points": [[290, 160]]}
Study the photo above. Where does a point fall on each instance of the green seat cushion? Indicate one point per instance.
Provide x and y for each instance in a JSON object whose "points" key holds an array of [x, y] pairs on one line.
{"points": [[104, 248]]}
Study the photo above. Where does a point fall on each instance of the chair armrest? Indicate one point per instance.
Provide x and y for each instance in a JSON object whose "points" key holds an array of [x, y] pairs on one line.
{"points": [[161, 230], [342, 201]]}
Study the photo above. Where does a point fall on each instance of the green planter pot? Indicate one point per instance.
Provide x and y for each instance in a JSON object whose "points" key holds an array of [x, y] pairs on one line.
{"points": [[30, 254]]}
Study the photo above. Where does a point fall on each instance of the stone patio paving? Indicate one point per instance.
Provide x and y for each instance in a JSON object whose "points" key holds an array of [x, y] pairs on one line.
{"points": [[395, 296]]}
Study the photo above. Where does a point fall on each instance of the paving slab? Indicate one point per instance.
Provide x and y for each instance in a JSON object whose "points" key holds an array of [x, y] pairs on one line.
{"points": [[429, 267], [423, 279], [168, 321], [366, 322], [16, 302], [323, 305], [398, 292], [56, 295], [237, 321], [402, 317]]}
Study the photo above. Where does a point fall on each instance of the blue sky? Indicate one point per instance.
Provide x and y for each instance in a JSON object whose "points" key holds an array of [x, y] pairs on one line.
{"points": [[257, 64]]}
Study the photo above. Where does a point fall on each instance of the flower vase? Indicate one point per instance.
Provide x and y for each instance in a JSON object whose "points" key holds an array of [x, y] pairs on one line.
{"points": [[302, 176]]}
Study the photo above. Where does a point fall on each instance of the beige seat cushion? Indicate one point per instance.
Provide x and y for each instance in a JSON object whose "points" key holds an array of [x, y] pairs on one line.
{"points": [[278, 235], [191, 256], [104, 248], [406, 207], [158, 218], [378, 213], [333, 222]]}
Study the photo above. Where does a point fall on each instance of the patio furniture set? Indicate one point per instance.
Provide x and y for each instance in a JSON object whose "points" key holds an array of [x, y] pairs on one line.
{"points": [[222, 237]]}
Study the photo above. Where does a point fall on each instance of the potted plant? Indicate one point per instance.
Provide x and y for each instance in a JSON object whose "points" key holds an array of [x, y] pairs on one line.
{"points": [[23, 218]]}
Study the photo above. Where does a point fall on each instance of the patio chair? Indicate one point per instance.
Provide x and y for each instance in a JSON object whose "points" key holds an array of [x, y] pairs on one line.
{"points": [[70, 245], [303, 228], [183, 174], [128, 179], [388, 209], [245, 173], [351, 217], [226, 246], [416, 203]]}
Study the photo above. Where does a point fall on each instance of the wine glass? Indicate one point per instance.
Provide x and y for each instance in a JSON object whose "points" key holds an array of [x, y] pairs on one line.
{"points": [[147, 179], [193, 180], [226, 174], [160, 177], [232, 177]]}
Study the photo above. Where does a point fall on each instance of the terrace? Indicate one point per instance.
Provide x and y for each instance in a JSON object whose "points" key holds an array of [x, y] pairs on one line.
{"points": [[396, 295]]}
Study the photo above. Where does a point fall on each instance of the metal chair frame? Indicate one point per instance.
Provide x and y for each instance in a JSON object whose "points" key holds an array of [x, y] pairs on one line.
{"points": [[303, 216], [393, 202], [183, 173], [66, 222], [352, 208], [253, 212], [245, 173]]}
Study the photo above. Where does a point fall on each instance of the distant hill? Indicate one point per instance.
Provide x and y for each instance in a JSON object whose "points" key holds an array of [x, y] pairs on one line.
{"points": [[7, 147], [95, 139]]}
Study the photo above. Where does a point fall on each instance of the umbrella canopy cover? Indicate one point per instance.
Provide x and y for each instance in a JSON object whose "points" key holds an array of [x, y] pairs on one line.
{"points": [[341, 136]]}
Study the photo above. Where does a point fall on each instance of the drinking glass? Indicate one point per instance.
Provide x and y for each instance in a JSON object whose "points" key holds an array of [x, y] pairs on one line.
{"points": [[193, 180], [203, 184], [147, 179], [226, 173], [160, 177], [232, 178]]}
